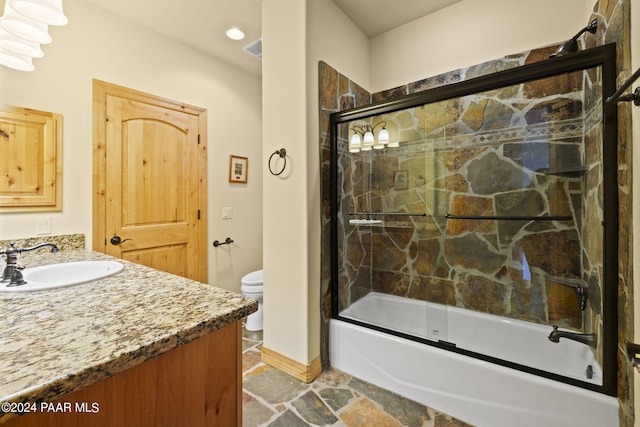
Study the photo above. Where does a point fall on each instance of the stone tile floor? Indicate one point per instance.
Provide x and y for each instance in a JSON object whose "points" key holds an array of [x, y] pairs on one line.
{"points": [[272, 398]]}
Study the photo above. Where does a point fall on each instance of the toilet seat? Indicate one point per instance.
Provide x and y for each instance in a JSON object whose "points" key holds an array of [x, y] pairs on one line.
{"points": [[253, 279], [252, 289]]}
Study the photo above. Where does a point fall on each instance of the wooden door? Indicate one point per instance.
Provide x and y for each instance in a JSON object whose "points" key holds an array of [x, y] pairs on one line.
{"points": [[150, 181]]}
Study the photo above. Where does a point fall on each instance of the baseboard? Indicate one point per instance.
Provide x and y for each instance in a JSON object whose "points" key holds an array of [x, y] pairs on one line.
{"points": [[306, 373]]}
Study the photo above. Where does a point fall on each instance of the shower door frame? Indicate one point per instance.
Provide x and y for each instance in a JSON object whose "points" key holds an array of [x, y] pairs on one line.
{"points": [[602, 56]]}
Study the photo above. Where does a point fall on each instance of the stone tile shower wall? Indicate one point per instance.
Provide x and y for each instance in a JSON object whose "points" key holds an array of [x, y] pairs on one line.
{"points": [[537, 168]]}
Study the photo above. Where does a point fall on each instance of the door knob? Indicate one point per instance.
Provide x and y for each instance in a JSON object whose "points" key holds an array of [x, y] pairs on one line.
{"points": [[116, 240]]}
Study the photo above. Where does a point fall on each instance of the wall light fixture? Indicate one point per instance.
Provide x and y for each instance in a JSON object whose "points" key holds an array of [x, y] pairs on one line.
{"points": [[24, 26], [364, 140], [19, 46], [15, 61], [46, 11]]}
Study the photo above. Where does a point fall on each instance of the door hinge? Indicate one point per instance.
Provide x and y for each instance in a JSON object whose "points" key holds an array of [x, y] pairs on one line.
{"points": [[198, 214]]}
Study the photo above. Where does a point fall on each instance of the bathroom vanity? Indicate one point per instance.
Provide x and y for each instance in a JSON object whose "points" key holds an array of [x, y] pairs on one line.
{"points": [[142, 347]]}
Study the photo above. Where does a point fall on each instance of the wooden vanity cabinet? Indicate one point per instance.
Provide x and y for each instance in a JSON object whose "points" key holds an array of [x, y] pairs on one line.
{"points": [[196, 384]]}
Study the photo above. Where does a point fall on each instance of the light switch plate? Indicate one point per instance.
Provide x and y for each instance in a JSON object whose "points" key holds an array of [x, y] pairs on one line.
{"points": [[227, 213], [43, 225]]}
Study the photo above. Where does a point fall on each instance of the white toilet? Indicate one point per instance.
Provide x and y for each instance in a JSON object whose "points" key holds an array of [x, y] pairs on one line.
{"points": [[252, 288]]}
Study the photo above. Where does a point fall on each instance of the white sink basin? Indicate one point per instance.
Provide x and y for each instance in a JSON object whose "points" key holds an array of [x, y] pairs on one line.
{"points": [[63, 274]]}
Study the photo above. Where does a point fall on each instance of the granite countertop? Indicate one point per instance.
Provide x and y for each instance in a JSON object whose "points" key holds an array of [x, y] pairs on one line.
{"points": [[58, 341]]}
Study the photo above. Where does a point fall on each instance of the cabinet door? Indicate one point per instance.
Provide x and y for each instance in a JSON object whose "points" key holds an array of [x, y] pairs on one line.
{"points": [[197, 384]]}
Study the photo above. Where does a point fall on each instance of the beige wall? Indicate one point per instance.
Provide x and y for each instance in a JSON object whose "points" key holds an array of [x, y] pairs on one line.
{"points": [[285, 222], [296, 35], [97, 44], [468, 33]]}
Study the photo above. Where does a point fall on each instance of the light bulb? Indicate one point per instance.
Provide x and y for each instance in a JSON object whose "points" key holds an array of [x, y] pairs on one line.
{"points": [[368, 139], [383, 136], [354, 144]]}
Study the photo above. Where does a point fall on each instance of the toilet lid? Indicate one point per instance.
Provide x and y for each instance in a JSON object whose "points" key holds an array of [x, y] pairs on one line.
{"points": [[253, 279]]}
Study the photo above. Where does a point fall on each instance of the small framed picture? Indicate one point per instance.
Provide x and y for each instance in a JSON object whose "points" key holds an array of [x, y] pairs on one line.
{"points": [[238, 169], [401, 180]]}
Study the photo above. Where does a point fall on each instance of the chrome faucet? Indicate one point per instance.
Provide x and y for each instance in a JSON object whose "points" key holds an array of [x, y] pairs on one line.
{"points": [[12, 271], [588, 339]]}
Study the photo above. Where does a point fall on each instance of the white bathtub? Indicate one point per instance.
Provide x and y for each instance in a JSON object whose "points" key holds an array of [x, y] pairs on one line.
{"points": [[473, 390]]}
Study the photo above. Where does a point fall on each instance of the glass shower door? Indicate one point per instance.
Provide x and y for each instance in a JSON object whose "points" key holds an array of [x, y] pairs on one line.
{"points": [[383, 219], [477, 224]]}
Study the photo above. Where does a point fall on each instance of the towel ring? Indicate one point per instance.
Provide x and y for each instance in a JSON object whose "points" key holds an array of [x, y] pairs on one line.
{"points": [[282, 153]]}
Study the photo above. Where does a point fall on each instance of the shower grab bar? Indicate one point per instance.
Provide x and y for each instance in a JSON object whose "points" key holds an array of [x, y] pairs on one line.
{"points": [[635, 96], [572, 282], [510, 218], [390, 213], [578, 285]]}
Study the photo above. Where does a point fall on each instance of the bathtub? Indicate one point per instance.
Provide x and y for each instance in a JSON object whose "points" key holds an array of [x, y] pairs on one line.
{"points": [[476, 391]]}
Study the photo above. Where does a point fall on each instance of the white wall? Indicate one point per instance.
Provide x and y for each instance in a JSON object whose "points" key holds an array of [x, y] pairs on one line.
{"points": [[296, 35], [471, 32], [334, 39], [98, 44], [286, 316]]}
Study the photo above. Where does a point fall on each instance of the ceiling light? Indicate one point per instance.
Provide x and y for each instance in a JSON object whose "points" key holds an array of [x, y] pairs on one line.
{"points": [[235, 34]]}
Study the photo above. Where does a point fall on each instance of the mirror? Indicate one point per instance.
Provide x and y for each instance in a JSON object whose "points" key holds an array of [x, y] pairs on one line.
{"points": [[30, 160]]}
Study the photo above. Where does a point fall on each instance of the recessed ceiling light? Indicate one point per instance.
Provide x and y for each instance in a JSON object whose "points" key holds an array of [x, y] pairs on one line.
{"points": [[235, 34]]}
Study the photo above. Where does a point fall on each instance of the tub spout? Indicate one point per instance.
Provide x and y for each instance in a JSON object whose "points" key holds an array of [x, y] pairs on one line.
{"points": [[588, 339]]}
